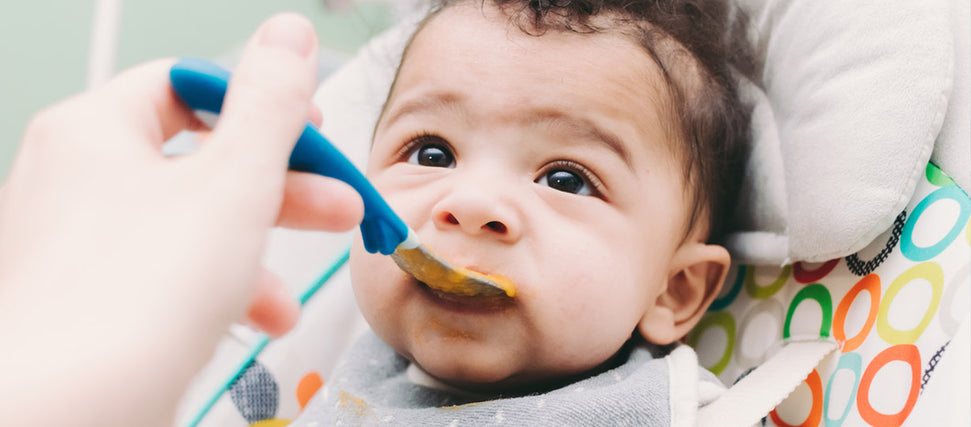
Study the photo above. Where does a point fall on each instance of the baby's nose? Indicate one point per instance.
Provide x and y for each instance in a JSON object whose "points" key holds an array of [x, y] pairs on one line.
{"points": [[477, 214], [496, 226]]}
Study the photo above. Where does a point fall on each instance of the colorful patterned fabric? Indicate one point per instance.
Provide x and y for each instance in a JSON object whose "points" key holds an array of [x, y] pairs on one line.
{"points": [[893, 308]]}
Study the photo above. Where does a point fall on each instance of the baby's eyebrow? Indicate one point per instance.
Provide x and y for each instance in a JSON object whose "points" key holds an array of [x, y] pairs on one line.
{"points": [[430, 103], [588, 128]]}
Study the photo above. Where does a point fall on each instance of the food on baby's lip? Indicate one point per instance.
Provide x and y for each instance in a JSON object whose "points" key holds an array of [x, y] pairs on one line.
{"points": [[455, 280]]}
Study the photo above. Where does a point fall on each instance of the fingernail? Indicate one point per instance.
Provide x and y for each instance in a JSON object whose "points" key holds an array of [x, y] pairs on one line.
{"points": [[288, 31]]}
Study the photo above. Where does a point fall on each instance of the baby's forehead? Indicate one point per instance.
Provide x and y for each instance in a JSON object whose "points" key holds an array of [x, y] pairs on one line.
{"points": [[659, 61], [528, 66]]}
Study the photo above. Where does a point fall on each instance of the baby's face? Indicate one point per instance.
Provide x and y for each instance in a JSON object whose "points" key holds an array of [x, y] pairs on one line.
{"points": [[542, 159]]}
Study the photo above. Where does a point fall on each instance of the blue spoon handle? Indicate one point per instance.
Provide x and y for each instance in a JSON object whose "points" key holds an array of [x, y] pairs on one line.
{"points": [[202, 86]]}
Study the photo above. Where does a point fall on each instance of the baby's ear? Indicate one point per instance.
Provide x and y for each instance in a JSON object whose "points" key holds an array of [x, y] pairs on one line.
{"points": [[697, 272]]}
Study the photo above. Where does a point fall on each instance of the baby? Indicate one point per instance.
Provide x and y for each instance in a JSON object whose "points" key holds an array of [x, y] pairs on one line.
{"points": [[590, 151]]}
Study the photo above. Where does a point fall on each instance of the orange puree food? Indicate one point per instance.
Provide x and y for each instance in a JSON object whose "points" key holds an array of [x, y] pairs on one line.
{"points": [[453, 280]]}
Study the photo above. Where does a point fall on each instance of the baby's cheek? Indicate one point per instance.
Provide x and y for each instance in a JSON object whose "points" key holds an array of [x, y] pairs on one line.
{"points": [[385, 300], [366, 280], [598, 312]]}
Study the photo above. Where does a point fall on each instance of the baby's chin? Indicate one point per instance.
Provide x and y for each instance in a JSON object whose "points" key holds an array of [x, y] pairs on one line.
{"points": [[476, 370], [490, 373], [498, 381]]}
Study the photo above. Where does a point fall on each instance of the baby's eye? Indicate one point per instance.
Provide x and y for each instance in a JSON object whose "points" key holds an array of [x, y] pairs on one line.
{"points": [[566, 181], [432, 155]]}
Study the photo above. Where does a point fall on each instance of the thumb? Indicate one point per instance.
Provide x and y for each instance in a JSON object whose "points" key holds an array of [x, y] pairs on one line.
{"points": [[268, 100]]}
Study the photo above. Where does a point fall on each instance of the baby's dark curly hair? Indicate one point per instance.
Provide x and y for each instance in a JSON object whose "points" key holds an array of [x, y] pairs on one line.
{"points": [[701, 49]]}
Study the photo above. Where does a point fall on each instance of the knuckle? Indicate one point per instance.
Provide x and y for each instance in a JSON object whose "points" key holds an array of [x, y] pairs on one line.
{"points": [[62, 125], [43, 122], [47, 124]]}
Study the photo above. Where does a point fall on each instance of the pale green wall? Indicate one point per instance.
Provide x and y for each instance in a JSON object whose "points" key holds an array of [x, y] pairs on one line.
{"points": [[44, 44], [43, 51]]}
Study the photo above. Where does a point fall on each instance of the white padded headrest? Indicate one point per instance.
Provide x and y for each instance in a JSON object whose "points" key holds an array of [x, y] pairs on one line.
{"points": [[855, 94]]}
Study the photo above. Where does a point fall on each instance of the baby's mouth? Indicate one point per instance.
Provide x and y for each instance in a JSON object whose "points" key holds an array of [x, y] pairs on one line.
{"points": [[438, 273], [465, 303]]}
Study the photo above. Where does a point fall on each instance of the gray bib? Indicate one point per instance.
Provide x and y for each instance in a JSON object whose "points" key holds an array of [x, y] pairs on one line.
{"points": [[370, 387]]}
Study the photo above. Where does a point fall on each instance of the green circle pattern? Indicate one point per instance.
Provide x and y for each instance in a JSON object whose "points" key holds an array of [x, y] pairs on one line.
{"points": [[937, 177], [725, 321], [820, 294], [762, 292]]}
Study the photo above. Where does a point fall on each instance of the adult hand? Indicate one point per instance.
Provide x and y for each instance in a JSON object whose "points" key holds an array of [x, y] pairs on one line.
{"points": [[119, 267]]}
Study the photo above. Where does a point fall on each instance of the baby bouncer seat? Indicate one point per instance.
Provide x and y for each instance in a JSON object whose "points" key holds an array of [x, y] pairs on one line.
{"points": [[849, 298]]}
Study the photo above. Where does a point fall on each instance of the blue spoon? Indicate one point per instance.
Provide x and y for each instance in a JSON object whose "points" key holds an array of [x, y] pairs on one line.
{"points": [[202, 86]]}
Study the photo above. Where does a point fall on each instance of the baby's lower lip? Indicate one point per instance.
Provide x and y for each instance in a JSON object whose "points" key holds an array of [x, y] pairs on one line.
{"points": [[465, 304]]}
